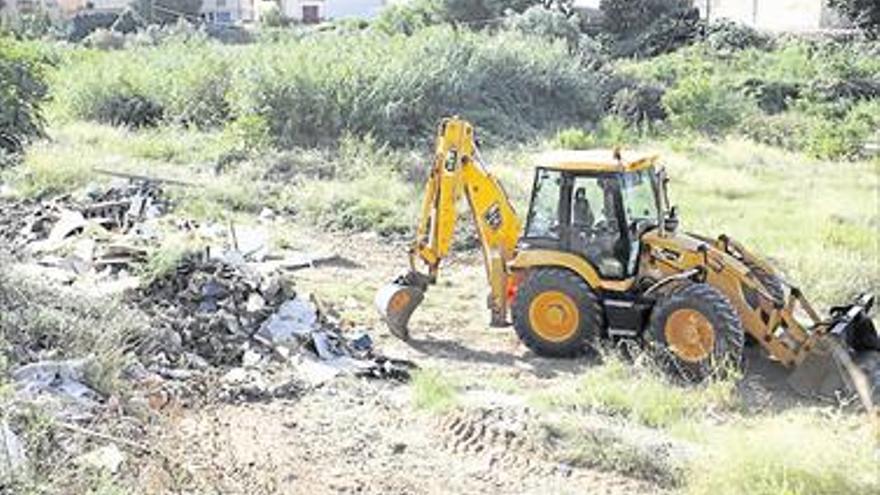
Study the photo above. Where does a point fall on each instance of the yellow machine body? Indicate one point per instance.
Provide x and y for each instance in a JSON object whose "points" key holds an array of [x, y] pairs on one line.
{"points": [[771, 311]]}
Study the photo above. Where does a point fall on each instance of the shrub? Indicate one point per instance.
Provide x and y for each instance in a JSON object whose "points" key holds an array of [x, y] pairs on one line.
{"points": [[705, 105], [730, 36], [639, 105], [178, 82], [646, 28], [397, 87], [86, 22], [547, 24], [574, 139], [23, 90], [406, 18], [771, 96], [787, 130], [273, 17], [168, 11], [864, 13]]}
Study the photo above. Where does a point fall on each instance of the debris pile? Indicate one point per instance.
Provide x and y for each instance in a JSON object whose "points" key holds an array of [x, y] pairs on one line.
{"points": [[213, 313]]}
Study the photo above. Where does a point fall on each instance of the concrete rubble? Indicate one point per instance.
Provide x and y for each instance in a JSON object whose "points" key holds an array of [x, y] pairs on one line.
{"points": [[226, 323]]}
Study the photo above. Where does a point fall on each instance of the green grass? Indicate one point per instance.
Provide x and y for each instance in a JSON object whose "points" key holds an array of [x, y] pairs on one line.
{"points": [[640, 394], [791, 454], [433, 391]]}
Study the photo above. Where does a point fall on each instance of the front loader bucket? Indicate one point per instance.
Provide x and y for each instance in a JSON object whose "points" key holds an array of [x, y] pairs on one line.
{"points": [[396, 303], [844, 361]]}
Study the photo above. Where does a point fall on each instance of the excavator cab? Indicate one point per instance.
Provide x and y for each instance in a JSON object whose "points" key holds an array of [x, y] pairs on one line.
{"points": [[596, 214]]}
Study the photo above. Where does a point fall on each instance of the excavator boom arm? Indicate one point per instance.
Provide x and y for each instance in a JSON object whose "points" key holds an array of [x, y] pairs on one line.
{"points": [[457, 171]]}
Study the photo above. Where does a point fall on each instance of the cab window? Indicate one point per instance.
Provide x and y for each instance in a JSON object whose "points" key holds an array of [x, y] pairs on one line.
{"points": [[543, 219]]}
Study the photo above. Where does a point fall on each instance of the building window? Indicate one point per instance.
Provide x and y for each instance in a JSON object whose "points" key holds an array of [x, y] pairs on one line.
{"points": [[224, 17], [311, 14]]}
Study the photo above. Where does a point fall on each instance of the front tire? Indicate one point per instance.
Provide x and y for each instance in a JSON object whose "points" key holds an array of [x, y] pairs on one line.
{"points": [[555, 313], [696, 332]]}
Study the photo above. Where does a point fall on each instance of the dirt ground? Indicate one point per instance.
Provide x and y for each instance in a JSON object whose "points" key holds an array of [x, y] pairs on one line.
{"points": [[360, 436]]}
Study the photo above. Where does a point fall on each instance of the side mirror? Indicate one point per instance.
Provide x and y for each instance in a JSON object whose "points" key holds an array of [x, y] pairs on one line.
{"points": [[670, 223]]}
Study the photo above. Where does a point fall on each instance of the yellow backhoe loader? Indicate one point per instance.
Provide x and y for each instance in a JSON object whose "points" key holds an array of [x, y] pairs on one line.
{"points": [[600, 256]]}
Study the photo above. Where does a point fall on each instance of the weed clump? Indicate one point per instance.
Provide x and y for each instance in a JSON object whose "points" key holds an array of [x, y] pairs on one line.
{"points": [[432, 391], [792, 453]]}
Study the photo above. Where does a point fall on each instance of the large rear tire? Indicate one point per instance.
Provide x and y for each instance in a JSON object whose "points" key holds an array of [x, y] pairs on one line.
{"points": [[696, 332], [555, 313]]}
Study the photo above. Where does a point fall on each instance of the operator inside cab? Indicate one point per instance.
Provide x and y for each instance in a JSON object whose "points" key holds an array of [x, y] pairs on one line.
{"points": [[597, 237]]}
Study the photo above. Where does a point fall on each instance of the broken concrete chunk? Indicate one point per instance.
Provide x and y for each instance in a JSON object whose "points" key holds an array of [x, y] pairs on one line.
{"points": [[69, 223], [66, 378], [295, 319], [255, 302]]}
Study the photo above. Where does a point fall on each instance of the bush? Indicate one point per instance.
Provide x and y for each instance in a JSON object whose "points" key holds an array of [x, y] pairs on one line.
{"points": [[178, 82], [86, 22], [705, 105], [864, 13], [548, 24], [23, 90], [772, 97], [639, 105], [406, 18], [730, 36], [398, 87], [574, 139], [646, 28]]}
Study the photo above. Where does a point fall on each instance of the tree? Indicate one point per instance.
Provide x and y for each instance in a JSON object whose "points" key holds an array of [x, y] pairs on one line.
{"points": [[483, 12], [863, 13], [168, 11], [645, 28]]}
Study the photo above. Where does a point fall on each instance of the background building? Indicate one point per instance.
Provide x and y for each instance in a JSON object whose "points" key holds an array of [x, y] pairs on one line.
{"points": [[774, 15]]}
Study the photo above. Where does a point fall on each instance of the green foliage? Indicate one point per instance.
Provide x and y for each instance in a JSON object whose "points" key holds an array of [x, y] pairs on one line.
{"points": [[273, 17], [22, 92], [168, 11], [730, 36], [178, 82], [86, 22], [546, 23], [642, 394], [312, 91], [574, 139], [645, 28], [704, 104], [787, 454], [406, 18], [396, 87], [864, 13], [640, 105]]}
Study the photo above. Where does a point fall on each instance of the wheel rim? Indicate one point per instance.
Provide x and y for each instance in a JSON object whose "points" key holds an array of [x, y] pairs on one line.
{"points": [[554, 316], [690, 335]]}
